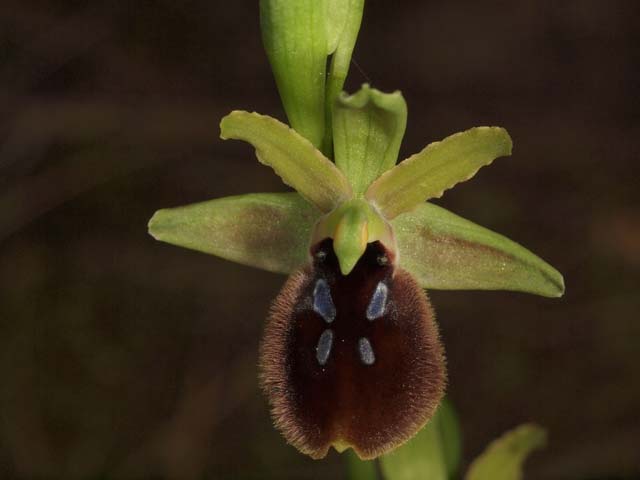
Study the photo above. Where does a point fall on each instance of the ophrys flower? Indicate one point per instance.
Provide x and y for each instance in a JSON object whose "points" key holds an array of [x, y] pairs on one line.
{"points": [[351, 355]]}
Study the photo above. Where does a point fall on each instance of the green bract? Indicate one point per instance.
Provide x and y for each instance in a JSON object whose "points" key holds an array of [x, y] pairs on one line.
{"points": [[298, 38], [368, 199]]}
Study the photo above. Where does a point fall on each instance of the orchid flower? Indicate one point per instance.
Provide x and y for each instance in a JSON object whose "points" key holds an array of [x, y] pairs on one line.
{"points": [[351, 355]]}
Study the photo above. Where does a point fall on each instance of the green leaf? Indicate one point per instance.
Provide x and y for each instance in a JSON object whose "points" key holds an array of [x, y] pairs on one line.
{"points": [[437, 168], [294, 158], [367, 131], [445, 251], [345, 16], [504, 457], [294, 35], [360, 469], [432, 454], [264, 230]]}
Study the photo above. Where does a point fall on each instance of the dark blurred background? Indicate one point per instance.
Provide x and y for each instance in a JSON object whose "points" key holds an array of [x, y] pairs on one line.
{"points": [[121, 357]]}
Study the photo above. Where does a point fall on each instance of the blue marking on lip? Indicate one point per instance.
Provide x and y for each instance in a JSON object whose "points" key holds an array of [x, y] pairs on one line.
{"points": [[366, 351], [322, 301], [323, 349], [378, 302]]}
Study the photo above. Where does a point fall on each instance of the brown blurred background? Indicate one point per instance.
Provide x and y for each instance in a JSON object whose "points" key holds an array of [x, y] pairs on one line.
{"points": [[121, 357]]}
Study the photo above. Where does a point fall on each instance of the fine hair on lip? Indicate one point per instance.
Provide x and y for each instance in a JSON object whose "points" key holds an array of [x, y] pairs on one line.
{"points": [[369, 385]]}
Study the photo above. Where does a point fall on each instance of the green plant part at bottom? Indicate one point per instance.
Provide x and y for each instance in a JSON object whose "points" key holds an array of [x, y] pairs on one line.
{"points": [[435, 454], [360, 244]]}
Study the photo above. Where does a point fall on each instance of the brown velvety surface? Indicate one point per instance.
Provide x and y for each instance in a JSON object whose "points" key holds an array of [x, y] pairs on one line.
{"points": [[369, 407]]}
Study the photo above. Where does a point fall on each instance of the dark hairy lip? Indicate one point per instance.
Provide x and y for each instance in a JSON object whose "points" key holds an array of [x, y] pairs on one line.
{"points": [[335, 375]]}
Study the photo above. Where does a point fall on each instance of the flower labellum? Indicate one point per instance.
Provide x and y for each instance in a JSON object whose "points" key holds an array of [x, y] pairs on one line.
{"points": [[351, 361]]}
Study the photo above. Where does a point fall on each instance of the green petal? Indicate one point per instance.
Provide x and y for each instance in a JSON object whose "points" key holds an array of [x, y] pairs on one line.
{"points": [[295, 39], [294, 158], [504, 457], [432, 454], [437, 168], [264, 230], [445, 251], [367, 131], [346, 16]]}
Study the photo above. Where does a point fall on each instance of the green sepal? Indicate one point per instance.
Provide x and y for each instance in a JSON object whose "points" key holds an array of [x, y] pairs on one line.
{"points": [[504, 457], [353, 225], [345, 17], [293, 157], [433, 453], [436, 168], [367, 131], [445, 251], [294, 35], [264, 230]]}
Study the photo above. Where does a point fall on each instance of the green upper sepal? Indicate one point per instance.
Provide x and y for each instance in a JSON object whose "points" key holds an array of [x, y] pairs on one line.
{"points": [[445, 251], [264, 230], [367, 131], [293, 157]]}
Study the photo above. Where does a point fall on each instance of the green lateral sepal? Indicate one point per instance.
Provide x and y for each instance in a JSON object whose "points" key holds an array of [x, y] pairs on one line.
{"points": [[367, 131], [436, 168], [445, 251], [293, 157], [263, 230]]}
